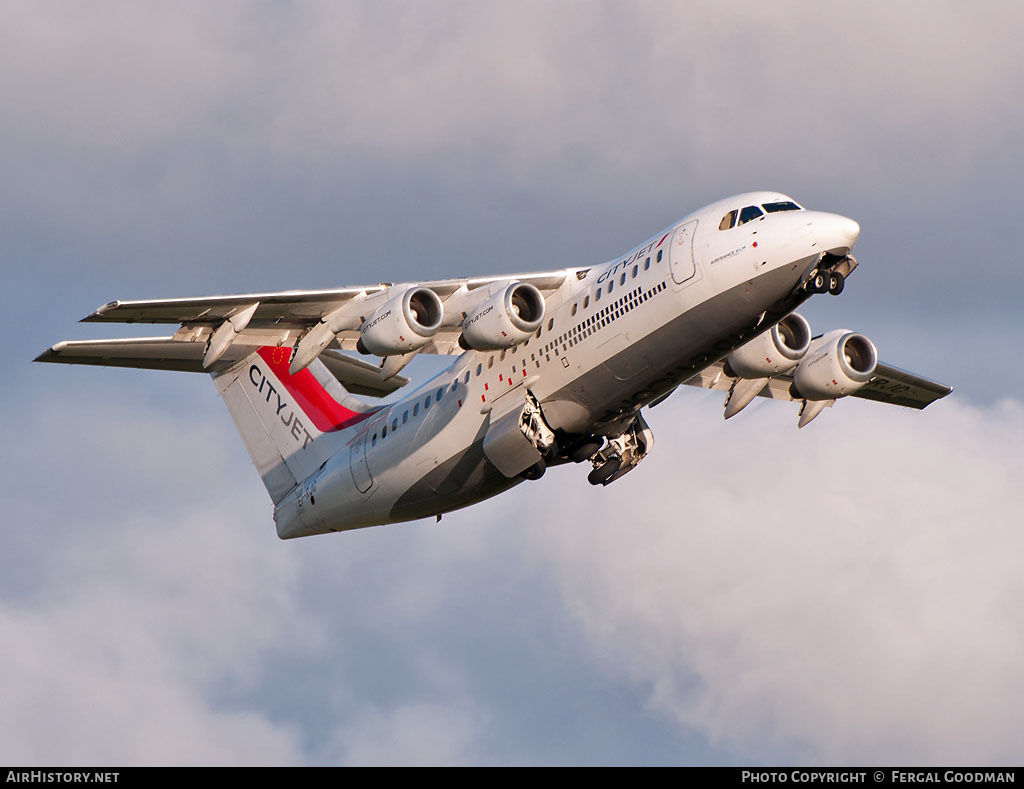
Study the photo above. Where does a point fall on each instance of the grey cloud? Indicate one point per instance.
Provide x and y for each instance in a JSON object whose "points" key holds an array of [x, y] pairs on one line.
{"points": [[232, 147], [842, 595]]}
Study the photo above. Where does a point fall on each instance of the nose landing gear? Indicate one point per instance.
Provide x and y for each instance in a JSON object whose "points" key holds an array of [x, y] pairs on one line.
{"points": [[830, 275]]}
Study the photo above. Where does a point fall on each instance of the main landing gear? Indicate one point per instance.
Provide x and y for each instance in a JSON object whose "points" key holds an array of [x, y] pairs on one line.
{"points": [[611, 456], [622, 453]]}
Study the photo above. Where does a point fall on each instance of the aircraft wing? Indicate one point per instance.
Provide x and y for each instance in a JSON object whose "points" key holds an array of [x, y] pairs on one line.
{"points": [[889, 385], [282, 318]]}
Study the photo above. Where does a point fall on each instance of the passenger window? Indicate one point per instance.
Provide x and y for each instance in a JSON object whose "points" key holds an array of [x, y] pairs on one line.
{"points": [[490, 362], [467, 375], [479, 369], [416, 410], [573, 309], [586, 302], [659, 254], [636, 270], [426, 404], [405, 417], [438, 395], [394, 424], [598, 296], [647, 264], [551, 323], [384, 432], [373, 443], [622, 279], [728, 221], [749, 213]]}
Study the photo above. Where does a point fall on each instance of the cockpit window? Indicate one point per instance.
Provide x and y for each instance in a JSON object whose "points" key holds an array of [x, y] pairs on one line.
{"points": [[749, 213], [729, 220], [785, 205]]}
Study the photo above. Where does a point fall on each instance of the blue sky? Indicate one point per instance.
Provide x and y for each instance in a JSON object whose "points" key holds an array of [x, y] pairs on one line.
{"points": [[753, 594]]}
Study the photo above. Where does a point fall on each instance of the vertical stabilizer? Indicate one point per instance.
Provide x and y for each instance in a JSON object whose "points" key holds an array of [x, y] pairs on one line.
{"points": [[291, 424]]}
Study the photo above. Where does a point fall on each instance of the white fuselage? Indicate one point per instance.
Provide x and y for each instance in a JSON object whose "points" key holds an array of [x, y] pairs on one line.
{"points": [[614, 338]]}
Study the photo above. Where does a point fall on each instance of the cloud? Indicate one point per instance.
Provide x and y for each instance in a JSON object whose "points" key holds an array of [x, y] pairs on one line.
{"points": [[512, 93], [412, 735], [840, 593], [844, 594], [139, 605]]}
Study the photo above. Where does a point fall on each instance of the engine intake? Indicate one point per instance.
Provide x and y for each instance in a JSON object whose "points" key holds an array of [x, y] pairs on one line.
{"points": [[838, 364], [403, 323], [507, 318], [773, 352]]}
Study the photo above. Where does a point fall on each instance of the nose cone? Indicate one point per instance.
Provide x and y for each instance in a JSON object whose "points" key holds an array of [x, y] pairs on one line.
{"points": [[849, 229], [839, 234]]}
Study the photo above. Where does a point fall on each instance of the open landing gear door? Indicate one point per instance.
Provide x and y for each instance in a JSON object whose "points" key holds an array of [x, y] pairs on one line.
{"points": [[519, 439]]}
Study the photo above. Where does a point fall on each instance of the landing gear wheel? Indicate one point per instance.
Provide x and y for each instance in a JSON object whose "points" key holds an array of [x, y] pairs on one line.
{"points": [[818, 283], [836, 283], [604, 472]]}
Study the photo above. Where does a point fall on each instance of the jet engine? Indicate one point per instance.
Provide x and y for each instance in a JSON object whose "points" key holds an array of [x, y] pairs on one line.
{"points": [[839, 363], [507, 318], [403, 323], [773, 352]]}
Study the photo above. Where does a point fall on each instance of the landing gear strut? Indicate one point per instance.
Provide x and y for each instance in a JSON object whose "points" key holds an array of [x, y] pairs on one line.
{"points": [[622, 453]]}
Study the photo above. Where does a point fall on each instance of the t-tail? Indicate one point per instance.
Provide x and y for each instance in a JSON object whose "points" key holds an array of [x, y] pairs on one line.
{"points": [[291, 424]]}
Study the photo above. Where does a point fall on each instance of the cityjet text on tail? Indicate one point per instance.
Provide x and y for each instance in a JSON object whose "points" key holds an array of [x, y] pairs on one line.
{"points": [[547, 368]]}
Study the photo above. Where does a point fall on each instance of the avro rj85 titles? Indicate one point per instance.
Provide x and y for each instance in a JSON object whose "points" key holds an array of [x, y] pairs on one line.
{"points": [[548, 368]]}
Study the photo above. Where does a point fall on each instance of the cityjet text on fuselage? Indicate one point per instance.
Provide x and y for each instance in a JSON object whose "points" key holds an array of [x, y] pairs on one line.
{"points": [[611, 271]]}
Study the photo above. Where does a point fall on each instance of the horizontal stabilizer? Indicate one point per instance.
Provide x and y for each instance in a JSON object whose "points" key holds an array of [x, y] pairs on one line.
{"points": [[167, 353]]}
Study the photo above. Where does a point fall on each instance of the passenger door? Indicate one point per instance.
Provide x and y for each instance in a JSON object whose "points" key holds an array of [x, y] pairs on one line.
{"points": [[681, 253]]}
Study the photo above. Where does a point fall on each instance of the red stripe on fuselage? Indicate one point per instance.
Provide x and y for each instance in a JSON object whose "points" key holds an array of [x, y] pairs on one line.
{"points": [[326, 413], [662, 240]]}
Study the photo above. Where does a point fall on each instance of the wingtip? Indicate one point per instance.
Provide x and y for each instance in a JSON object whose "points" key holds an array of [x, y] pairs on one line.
{"points": [[51, 353], [99, 313]]}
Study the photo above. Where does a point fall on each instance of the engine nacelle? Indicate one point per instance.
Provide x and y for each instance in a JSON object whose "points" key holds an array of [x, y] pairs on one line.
{"points": [[403, 323], [838, 364], [507, 318], [773, 352]]}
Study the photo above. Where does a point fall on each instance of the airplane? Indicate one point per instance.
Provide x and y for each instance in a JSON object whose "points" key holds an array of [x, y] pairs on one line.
{"points": [[550, 368]]}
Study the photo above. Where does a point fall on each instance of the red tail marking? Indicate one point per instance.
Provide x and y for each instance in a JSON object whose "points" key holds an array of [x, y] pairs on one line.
{"points": [[326, 413], [662, 240]]}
